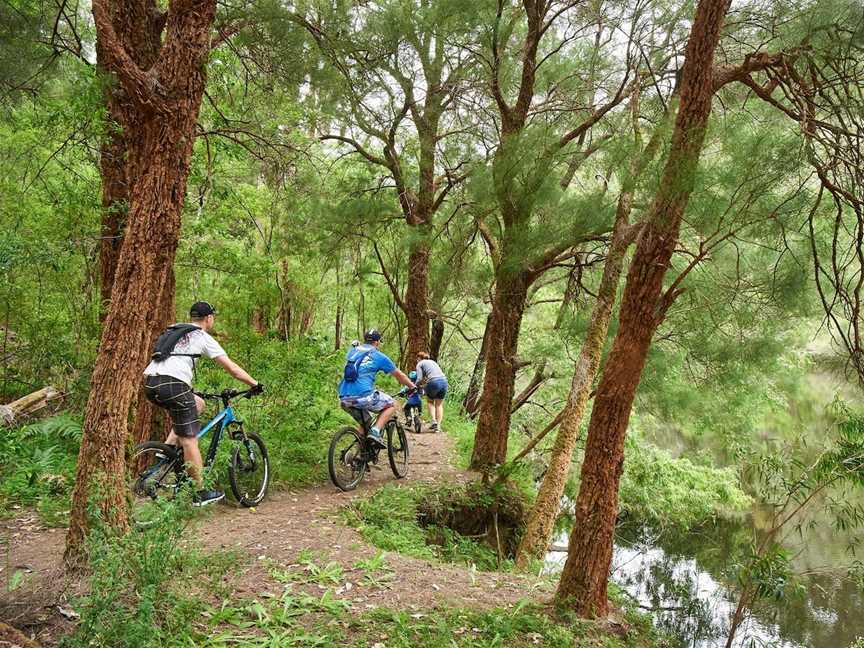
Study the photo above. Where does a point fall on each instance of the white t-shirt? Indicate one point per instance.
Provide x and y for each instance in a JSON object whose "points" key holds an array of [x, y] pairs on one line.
{"points": [[428, 369], [183, 367]]}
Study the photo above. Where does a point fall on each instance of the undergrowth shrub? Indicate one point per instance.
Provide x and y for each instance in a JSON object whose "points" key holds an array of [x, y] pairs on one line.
{"points": [[129, 597], [659, 488], [147, 585], [299, 410], [37, 466]]}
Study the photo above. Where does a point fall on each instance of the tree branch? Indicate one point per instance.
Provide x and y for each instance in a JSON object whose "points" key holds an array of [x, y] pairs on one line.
{"points": [[374, 159], [393, 288], [139, 85]]}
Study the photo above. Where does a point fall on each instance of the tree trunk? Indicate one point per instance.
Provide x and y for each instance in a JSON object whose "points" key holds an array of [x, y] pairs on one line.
{"points": [[112, 166], [493, 423], [471, 400], [437, 337], [541, 519], [137, 23], [151, 423], [160, 134], [585, 575], [417, 304], [571, 292], [337, 333], [260, 320], [284, 320]]}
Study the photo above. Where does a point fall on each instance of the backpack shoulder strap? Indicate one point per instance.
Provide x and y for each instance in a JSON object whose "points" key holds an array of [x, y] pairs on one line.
{"points": [[169, 338]]}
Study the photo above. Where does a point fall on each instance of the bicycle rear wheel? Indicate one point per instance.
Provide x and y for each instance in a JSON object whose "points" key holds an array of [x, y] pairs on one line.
{"points": [[346, 459], [418, 422], [397, 449], [156, 483], [249, 470]]}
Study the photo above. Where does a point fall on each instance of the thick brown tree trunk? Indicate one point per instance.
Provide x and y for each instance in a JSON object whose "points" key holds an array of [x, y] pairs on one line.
{"points": [[139, 24], [417, 304], [150, 423], [471, 400], [160, 133], [585, 575], [112, 166], [493, 422], [437, 337]]}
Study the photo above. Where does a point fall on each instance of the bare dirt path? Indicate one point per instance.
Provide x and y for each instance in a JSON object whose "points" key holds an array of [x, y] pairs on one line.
{"points": [[289, 526]]}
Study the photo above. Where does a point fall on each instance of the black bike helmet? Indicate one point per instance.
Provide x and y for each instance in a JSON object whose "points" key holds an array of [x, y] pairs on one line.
{"points": [[372, 335]]}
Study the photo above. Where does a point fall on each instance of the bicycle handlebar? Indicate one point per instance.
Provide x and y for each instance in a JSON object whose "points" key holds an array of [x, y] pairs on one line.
{"points": [[227, 394]]}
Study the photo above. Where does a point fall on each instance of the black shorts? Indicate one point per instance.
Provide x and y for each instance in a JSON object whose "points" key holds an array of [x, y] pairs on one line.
{"points": [[177, 398]]}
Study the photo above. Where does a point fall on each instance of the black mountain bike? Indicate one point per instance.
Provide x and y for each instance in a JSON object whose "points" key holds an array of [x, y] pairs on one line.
{"points": [[351, 451], [161, 469]]}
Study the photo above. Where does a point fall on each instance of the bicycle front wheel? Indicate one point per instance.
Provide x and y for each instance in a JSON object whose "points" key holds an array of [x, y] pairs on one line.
{"points": [[249, 470], [418, 423], [158, 481], [397, 449], [346, 459]]}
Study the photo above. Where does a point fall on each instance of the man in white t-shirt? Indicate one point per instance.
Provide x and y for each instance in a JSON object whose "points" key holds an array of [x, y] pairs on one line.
{"points": [[168, 384]]}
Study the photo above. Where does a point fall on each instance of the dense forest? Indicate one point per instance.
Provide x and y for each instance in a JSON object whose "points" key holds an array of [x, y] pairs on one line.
{"points": [[630, 233]]}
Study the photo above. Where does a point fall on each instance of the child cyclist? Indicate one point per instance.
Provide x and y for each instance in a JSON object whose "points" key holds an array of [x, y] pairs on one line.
{"points": [[414, 401]]}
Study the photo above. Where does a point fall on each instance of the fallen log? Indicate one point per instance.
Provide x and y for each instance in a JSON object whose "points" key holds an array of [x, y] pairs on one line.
{"points": [[27, 404]]}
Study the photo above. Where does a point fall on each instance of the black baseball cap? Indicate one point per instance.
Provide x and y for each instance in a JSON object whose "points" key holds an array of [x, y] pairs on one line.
{"points": [[372, 335], [202, 309]]}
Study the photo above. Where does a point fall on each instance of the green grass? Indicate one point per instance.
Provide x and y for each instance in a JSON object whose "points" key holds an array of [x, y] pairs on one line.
{"points": [[299, 619], [146, 586]]}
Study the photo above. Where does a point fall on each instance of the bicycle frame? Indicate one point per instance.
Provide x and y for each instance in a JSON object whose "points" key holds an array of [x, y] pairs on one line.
{"points": [[223, 419]]}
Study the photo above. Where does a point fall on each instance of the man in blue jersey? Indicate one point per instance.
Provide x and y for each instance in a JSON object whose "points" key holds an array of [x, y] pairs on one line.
{"points": [[357, 388]]}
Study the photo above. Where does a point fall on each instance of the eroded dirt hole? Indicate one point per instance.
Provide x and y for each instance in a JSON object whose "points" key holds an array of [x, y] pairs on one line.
{"points": [[490, 516]]}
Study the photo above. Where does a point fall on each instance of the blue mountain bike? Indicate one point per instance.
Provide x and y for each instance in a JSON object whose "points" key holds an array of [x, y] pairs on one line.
{"points": [[160, 470]]}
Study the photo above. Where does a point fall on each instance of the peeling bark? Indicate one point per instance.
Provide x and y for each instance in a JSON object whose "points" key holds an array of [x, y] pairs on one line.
{"points": [[584, 579], [160, 130]]}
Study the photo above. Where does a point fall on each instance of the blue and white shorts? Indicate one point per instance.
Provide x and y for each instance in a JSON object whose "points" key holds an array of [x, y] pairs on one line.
{"points": [[374, 402]]}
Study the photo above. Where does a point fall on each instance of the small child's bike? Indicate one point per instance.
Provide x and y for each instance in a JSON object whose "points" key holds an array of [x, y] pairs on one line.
{"points": [[412, 410]]}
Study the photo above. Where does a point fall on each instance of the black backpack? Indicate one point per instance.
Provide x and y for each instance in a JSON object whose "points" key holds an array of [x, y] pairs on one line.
{"points": [[169, 338]]}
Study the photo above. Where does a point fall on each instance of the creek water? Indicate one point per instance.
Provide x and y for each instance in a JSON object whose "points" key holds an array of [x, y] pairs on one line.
{"points": [[683, 582]]}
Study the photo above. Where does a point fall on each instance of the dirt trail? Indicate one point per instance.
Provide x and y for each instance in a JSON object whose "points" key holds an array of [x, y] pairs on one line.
{"points": [[273, 535]]}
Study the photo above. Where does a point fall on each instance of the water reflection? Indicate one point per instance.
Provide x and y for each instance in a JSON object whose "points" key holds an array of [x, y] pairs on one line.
{"points": [[682, 581]]}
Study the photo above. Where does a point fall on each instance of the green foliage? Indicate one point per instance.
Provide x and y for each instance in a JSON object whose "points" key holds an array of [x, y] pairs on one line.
{"points": [[140, 582], [441, 522], [388, 520], [37, 466], [664, 490], [284, 621], [299, 409]]}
